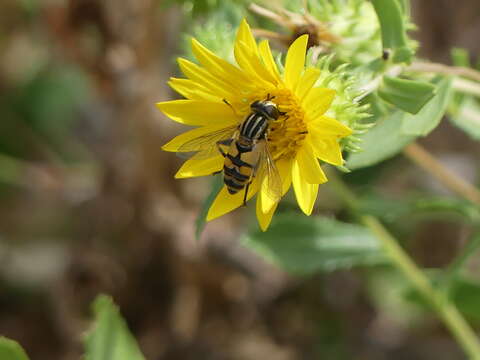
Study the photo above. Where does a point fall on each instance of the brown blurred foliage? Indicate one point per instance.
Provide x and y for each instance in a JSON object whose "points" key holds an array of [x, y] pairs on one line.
{"points": [[117, 222]]}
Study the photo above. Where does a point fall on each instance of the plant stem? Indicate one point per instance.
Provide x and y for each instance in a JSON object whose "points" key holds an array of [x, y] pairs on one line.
{"points": [[457, 264], [447, 311], [375, 83], [271, 35], [269, 14], [423, 159], [466, 86], [460, 83], [445, 69]]}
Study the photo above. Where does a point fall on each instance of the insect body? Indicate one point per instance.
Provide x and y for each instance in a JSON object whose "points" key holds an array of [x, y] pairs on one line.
{"points": [[245, 150]]}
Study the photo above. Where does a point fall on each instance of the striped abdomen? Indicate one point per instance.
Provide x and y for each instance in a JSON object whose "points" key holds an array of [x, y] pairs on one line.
{"points": [[242, 158]]}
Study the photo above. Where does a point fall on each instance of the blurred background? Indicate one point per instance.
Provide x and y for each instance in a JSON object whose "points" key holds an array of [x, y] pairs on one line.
{"points": [[89, 203]]}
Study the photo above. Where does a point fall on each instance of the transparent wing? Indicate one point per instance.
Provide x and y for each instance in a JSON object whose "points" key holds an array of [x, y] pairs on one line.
{"points": [[268, 174], [205, 146]]}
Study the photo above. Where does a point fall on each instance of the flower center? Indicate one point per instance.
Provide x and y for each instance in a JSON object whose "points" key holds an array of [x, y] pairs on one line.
{"points": [[286, 134]]}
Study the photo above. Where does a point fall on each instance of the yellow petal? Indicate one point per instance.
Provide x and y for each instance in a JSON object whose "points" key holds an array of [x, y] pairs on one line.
{"points": [[192, 90], [264, 219], [215, 84], [244, 34], [177, 142], [325, 127], [225, 202], [192, 168], [295, 61], [198, 112], [318, 102], [308, 163], [284, 167], [309, 77], [250, 62], [247, 54], [328, 150], [267, 58], [304, 192], [219, 67]]}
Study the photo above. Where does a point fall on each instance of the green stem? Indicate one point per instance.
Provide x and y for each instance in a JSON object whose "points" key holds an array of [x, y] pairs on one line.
{"points": [[457, 264], [450, 315], [466, 86]]}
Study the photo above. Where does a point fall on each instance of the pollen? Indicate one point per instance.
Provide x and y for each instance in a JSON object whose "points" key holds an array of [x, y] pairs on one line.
{"points": [[287, 133]]}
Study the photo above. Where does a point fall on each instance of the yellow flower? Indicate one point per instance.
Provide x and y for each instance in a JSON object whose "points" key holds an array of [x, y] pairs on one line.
{"points": [[297, 140]]}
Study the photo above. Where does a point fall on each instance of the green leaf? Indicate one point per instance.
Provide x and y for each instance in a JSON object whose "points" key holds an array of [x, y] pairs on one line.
{"points": [[11, 169], [460, 57], [466, 295], [406, 6], [403, 54], [408, 95], [11, 350], [387, 209], [427, 119], [449, 206], [110, 338], [378, 107], [391, 16], [467, 117], [381, 142], [303, 245], [460, 261], [216, 186]]}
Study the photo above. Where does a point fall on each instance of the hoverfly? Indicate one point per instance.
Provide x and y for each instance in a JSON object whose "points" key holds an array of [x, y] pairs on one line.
{"points": [[245, 149]]}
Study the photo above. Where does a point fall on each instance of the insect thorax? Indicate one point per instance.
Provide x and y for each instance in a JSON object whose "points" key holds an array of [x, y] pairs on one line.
{"points": [[254, 127]]}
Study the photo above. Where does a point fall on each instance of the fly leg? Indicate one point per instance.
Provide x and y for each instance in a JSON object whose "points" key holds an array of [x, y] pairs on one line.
{"points": [[245, 194], [254, 173], [231, 107]]}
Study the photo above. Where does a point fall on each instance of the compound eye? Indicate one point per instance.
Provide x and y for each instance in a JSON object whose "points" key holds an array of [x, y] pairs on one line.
{"points": [[273, 112]]}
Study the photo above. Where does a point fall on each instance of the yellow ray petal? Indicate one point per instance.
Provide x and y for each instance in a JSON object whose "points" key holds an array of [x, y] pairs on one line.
{"points": [[284, 167], [192, 168], [308, 79], [247, 54], [264, 219], [225, 202], [244, 34], [192, 90], [198, 112], [215, 84], [295, 61], [328, 150], [250, 62], [178, 141], [318, 101], [267, 58], [308, 163], [219, 67], [325, 127], [304, 192]]}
